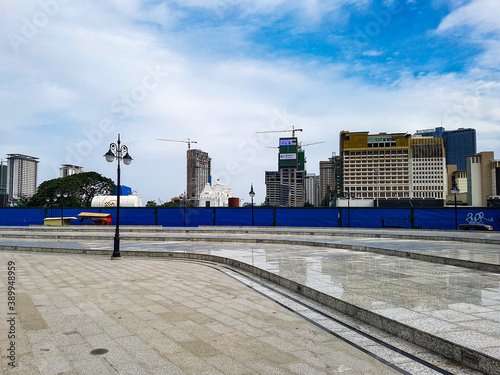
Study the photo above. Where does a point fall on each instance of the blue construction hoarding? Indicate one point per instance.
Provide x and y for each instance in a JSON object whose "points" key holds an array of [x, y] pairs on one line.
{"points": [[417, 218]]}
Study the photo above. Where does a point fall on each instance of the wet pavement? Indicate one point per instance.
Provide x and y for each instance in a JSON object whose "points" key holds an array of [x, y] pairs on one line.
{"points": [[425, 302]]}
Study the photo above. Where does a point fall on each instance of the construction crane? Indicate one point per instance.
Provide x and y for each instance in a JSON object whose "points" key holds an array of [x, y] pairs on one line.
{"points": [[293, 130], [189, 141], [310, 144], [301, 145]]}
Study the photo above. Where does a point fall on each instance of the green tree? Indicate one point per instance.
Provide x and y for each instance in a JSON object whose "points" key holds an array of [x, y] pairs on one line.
{"points": [[151, 204], [81, 188]]}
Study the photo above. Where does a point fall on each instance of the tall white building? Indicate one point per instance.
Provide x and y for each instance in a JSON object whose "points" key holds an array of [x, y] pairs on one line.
{"points": [[69, 169], [312, 186], [22, 175]]}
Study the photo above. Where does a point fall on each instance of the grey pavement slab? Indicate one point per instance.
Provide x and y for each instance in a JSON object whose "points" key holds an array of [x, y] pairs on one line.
{"points": [[89, 327], [444, 301]]}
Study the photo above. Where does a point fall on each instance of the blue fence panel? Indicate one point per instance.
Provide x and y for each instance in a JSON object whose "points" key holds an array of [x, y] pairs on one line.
{"points": [[489, 216], [307, 217], [189, 217], [435, 218], [21, 216], [425, 218], [137, 216], [199, 216], [263, 217], [234, 216], [170, 217], [376, 217]]}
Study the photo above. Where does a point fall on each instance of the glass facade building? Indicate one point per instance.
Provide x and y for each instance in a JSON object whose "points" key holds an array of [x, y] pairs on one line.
{"points": [[458, 144]]}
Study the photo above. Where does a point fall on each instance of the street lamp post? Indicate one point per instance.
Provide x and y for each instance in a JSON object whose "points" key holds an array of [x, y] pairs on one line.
{"points": [[252, 194], [116, 150], [64, 195], [349, 211], [455, 190], [49, 202]]}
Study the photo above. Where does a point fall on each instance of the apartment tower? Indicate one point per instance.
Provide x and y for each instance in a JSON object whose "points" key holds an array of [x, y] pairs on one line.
{"points": [[22, 175]]}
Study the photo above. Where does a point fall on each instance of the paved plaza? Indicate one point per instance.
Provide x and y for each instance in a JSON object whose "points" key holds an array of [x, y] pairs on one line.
{"points": [[86, 314]]}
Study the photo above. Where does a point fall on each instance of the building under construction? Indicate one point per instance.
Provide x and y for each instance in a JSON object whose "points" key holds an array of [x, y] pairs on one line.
{"points": [[199, 173], [286, 187]]}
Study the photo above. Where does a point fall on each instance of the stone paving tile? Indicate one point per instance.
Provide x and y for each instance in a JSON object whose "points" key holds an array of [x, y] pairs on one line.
{"points": [[351, 281], [168, 335]]}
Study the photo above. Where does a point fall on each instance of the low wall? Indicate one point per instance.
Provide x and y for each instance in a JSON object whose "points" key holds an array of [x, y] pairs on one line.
{"points": [[418, 218]]}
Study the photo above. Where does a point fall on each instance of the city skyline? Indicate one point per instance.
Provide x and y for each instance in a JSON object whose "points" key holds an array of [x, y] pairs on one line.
{"points": [[218, 72]]}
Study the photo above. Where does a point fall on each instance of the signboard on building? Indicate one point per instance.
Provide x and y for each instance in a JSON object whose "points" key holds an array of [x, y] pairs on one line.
{"points": [[288, 142], [288, 156]]}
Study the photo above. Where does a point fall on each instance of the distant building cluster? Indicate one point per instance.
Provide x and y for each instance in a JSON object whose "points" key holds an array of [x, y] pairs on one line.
{"points": [[389, 170], [430, 168]]}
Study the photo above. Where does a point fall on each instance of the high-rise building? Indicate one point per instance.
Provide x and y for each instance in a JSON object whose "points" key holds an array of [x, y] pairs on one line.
{"points": [[312, 189], [483, 178], [387, 166], [286, 187], [458, 144], [68, 170], [326, 180], [22, 176], [330, 180], [198, 173], [3, 184]]}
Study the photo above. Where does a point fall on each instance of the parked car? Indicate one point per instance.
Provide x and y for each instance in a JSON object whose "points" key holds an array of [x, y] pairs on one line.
{"points": [[475, 227]]}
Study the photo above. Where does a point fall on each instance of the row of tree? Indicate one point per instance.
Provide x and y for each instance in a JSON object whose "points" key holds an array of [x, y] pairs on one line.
{"points": [[80, 188]]}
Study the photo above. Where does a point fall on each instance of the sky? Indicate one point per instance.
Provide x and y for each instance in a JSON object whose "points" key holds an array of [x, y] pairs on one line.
{"points": [[74, 74]]}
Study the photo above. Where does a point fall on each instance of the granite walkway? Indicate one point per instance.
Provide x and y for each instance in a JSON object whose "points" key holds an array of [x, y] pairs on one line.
{"points": [[452, 310]]}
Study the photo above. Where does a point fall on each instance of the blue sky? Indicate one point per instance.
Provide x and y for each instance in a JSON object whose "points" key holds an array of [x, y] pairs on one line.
{"points": [[74, 74]]}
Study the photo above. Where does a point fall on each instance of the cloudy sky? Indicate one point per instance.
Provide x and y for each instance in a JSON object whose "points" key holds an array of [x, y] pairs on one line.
{"points": [[74, 74]]}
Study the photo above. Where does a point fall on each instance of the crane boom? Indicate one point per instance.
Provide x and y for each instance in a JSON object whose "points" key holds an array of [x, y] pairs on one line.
{"points": [[189, 141], [293, 130], [310, 144]]}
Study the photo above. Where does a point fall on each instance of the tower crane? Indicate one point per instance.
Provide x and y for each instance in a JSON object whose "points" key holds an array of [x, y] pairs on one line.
{"points": [[188, 141], [310, 144], [293, 130], [301, 145]]}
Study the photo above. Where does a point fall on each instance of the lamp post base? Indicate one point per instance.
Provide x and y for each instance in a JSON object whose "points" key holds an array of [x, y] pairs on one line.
{"points": [[116, 250]]}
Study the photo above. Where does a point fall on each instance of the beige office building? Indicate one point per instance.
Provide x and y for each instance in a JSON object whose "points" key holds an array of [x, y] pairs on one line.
{"points": [[393, 166]]}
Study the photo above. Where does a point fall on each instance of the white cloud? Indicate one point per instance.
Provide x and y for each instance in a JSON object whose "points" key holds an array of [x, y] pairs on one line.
{"points": [[373, 53], [480, 14], [68, 79]]}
